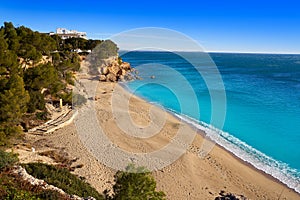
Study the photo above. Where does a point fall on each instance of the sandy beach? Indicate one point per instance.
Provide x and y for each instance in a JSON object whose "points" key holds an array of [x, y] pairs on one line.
{"points": [[189, 177]]}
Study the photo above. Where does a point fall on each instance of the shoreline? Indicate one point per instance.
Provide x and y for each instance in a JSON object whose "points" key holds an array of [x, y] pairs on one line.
{"points": [[189, 177], [201, 134], [187, 120]]}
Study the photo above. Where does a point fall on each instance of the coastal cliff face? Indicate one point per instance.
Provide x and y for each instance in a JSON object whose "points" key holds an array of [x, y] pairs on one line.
{"points": [[114, 69]]}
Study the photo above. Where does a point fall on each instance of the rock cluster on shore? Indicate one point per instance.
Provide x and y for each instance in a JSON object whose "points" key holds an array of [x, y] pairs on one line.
{"points": [[117, 70]]}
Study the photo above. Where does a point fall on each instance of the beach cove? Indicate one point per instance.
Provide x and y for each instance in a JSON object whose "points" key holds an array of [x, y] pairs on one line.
{"points": [[190, 177]]}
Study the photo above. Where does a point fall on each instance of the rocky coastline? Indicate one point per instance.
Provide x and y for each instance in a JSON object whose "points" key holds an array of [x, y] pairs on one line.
{"points": [[114, 70]]}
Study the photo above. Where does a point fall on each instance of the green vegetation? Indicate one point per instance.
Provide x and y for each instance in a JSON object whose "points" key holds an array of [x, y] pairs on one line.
{"points": [[71, 44], [13, 97], [12, 187], [106, 49], [135, 183], [7, 159], [62, 179], [34, 68], [103, 51]]}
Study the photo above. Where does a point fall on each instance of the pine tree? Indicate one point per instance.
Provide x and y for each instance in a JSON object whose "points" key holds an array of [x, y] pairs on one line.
{"points": [[11, 36], [13, 101], [3, 61], [13, 97]]}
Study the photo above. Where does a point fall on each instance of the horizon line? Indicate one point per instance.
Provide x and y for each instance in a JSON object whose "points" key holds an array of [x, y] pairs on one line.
{"points": [[229, 52]]}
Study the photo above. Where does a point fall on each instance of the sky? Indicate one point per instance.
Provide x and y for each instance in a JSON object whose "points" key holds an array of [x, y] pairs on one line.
{"points": [[218, 26]]}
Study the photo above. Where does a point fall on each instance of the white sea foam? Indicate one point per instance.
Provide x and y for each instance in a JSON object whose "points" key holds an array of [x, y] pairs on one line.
{"points": [[279, 170]]}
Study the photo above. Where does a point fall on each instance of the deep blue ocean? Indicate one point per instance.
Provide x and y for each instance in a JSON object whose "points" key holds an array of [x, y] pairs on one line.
{"points": [[262, 121]]}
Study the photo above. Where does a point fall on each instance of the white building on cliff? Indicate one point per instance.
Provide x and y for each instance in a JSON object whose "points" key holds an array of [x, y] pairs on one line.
{"points": [[65, 33]]}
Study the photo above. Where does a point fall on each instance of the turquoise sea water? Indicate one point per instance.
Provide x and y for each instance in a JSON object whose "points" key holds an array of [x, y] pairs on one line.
{"points": [[262, 122]]}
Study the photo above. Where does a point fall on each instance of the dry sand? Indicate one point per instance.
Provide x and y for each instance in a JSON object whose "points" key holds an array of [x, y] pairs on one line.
{"points": [[189, 177]]}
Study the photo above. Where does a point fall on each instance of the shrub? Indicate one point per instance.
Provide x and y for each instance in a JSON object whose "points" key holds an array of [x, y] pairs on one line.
{"points": [[135, 183], [69, 78], [37, 101], [41, 115], [12, 187], [7, 159], [63, 179], [7, 132]]}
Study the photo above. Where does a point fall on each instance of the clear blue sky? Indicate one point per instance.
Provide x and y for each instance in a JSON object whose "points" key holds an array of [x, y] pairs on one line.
{"points": [[235, 26]]}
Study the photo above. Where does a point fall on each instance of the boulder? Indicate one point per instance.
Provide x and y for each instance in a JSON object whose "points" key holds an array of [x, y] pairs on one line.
{"points": [[125, 65], [111, 77], [102, 78], [115, 69], [104, 70], [122, 78], [128, 77]]}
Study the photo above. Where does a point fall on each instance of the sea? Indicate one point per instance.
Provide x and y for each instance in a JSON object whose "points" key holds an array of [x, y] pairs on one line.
{"points": [[247, 103]]}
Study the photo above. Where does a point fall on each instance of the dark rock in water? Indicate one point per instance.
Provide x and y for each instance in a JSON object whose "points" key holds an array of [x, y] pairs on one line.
{"points": [[152, 77], [128, 77]]}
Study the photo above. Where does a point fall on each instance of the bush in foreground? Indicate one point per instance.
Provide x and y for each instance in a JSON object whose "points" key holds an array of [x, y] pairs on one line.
{"points": [[12, 187], [62, 179], [135, 183]]}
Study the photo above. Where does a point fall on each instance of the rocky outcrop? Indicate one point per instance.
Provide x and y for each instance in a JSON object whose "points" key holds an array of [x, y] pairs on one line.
{"points": [[26, 64], [116, 70]]}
